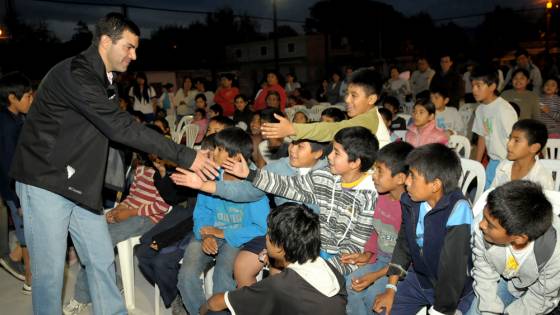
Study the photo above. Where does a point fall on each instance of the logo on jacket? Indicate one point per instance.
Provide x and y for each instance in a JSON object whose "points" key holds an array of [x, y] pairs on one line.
{"points": [[70, 171]]}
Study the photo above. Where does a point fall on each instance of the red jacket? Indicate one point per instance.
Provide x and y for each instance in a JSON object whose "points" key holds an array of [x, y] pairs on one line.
{"points": [[225, 97]]}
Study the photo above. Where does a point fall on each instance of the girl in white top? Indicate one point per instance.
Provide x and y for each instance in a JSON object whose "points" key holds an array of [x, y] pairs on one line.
{"points": [[142, 93], [396, 86]]}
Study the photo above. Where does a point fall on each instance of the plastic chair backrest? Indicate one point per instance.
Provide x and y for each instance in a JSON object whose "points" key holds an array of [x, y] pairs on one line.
{"points": [[461, 145], [554, 167], [472, 170], [552, 149]]}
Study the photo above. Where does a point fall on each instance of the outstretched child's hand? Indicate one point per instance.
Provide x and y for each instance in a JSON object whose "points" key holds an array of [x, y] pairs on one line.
{"points": [[186, 178], [358, 259], [384, 301], [361, 283], [283, 128], [236, 167]]}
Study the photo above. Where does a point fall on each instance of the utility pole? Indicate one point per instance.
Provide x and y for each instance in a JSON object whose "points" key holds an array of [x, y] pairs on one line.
{"points": [[275, 31]]}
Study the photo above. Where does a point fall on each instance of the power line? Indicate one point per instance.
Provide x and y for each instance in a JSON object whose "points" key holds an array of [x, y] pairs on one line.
{"points": [[133, 6], [469, 16]]}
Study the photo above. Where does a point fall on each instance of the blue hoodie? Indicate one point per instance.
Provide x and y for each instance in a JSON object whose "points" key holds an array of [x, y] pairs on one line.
{"points": [[241, 222], [244, 191]]}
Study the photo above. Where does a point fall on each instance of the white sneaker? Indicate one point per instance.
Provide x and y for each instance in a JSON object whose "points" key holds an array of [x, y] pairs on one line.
{"points": [[74, 307]]}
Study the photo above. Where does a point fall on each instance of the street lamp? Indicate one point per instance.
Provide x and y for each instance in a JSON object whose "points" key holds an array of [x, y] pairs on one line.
{"points": [[548, 14], [549, 4]]}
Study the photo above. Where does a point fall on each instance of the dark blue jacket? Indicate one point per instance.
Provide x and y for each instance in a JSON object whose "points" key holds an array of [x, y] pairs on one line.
{"points": [[444, 262], [10, 128]]}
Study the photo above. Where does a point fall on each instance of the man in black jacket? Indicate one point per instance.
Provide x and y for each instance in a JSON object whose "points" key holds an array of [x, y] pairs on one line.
{"points": [[60, 164]]}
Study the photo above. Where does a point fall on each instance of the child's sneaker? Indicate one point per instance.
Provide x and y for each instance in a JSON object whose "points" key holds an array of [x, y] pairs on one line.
{"points": [[15, 268], [74, 307], [26, 289]]}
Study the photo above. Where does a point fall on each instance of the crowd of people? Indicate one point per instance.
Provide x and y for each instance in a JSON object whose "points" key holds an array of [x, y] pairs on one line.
{"points": [[357, 210]]}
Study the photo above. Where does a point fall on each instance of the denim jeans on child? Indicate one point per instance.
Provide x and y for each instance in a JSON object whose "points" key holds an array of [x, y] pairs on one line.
{"points": [[48, 217], [503, 293], [133, 226], [490, 172], [361, 303], [411, 297], [195, 262]]}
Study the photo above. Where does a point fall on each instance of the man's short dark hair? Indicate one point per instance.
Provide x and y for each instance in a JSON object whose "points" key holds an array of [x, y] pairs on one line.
{"points": [[521, 207], [202, 96], [368, 79], [235, 140], [296, 229], [485, 73], [15, 83], [113, 25], [359, 143], [436, 161], [534, 130], [521, 52], [440, 89], [267, 115], [222, 120], [394, 156], [335, 113]]}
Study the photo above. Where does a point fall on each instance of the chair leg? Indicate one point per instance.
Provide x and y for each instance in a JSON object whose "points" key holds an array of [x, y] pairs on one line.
{"points": [[156, 299], [126, 263]]}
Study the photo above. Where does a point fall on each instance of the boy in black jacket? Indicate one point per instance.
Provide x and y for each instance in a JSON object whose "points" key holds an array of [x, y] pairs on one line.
{"points": [[433, 254]]}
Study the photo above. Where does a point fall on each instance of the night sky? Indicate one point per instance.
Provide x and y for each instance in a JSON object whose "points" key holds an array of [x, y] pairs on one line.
{"points": [[62, 18]]}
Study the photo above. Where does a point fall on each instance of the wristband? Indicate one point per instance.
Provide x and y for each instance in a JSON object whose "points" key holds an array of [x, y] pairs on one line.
{"points": [[391, 286]]}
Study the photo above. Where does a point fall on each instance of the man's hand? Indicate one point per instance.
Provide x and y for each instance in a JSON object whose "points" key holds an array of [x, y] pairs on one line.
{"points": [[203, 166], [358, 259], [236, 168], [361, 283], [211, 231], [120, 213], [283, 128], [545, 109], [384, 301], [210, 246], [186, 178]]}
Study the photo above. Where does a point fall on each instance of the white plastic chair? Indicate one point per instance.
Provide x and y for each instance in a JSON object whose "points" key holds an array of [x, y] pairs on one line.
{"points": [[191, 131], [316, 111], [472, 170], [177, 133], [126, 262], [552, 149], [171, 120], [554, 167], [406, 117], [461, 145]]}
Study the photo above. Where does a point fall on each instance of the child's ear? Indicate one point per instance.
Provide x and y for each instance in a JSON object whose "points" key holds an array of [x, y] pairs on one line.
{"points": [[445, 100], [520, 240], [317, 154], [12, 98], [356, 164], [437, 185], [372, 99], [535, 148], [238, 157]]}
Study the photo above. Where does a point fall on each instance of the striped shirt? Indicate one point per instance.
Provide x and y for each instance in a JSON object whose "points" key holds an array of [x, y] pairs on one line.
{"points": [[145, 197], [552, 118]]}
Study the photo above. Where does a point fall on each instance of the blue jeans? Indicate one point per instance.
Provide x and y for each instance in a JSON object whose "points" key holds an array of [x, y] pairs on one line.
{"points": [[411, 297], [361, 303], [491, 172], [195, 262], [18, 222], [503, 294], [48, 217], [134, 226]]}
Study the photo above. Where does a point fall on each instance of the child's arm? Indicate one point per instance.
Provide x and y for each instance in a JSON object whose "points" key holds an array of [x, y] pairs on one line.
{"points": [[480, 148], [202, 216], [322, 131], [297, 188], [454, 259], [486, 278]]}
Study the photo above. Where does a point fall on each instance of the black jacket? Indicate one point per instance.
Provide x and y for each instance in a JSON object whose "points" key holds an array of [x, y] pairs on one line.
{"points": [[64, 143]]}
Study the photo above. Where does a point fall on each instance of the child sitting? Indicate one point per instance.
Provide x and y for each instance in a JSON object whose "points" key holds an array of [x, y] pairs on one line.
{"points": [[447, 118], [516, 253], [272, 100], [526, 99], [433, 253], [527, 139], [387, 117], [364, 284], [300, 118], [307, 284], [493, 120], [215, 110], [423, 129], [242, 111], [392, 104], [218, 123], [345, 194], [550, 107], [202, 122], [221, 227]]}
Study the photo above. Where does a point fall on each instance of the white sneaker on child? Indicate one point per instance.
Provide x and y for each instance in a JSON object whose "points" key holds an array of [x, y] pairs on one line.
{"points": [[74, 307]]}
